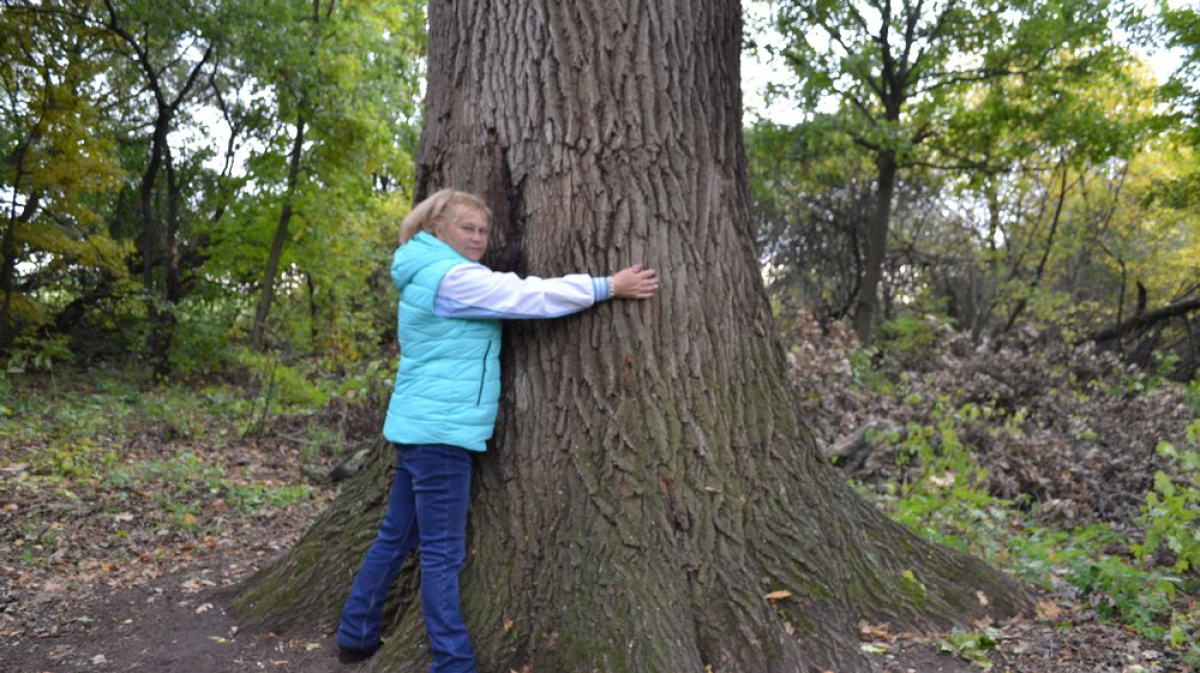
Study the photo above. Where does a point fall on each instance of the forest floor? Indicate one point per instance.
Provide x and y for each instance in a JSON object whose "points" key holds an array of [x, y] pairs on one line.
{"points": [[129, 512]]}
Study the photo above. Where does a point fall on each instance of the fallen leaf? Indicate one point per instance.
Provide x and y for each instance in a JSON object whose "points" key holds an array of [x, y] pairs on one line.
{"points": [[99, 659], [943, 481], [1048, 610], [983, 599], [876, 632], [124, 517], [312, 646], [778, 595], [204, 608], [873, 648]]}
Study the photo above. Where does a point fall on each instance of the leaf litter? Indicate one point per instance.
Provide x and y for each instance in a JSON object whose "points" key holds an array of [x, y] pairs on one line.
{"points": [[119, 575]]}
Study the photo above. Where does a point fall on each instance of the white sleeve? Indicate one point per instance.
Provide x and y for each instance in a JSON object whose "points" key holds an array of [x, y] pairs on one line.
{"points": [[475, 291]]}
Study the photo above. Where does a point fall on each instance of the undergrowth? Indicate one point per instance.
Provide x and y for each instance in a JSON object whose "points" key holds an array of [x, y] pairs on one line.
{"points": [[160, 452], [1145, 579]]}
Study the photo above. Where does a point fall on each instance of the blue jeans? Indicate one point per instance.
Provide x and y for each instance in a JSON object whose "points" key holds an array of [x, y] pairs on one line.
{"points": [[428, 506]]}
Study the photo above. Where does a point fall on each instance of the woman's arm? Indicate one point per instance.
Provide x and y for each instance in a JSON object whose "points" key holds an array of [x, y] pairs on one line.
{"points": [[474, 291]]}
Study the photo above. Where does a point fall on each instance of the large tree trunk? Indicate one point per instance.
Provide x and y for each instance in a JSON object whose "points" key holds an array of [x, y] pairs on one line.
{"points": [[650, 482]]}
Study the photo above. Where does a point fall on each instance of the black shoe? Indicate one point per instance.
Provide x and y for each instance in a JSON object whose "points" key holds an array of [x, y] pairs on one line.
{"points": [[354, 655]]}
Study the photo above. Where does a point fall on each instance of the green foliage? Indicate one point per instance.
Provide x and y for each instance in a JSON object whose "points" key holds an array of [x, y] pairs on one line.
{"points": [[909, 333], [943, 498], [864, 373], [972, 646], [989, 93], [1139, 597], [1047, 202], [120, 250], [1171, 515], [251, 498]]}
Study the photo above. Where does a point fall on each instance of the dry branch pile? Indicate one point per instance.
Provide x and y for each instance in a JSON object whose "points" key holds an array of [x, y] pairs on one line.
{"points": [[1072, 430]]}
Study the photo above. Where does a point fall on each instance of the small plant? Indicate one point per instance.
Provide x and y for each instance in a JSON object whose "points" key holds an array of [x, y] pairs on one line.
{"points": [[864, 373], [972, 646], [909, 333], [250, 498], [1122, 591], [1171, 514]]}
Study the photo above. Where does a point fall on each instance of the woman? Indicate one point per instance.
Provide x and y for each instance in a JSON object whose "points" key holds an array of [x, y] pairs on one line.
{"points": [[444, 406]]}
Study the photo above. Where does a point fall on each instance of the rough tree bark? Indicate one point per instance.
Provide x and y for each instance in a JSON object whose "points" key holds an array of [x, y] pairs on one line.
{"points": [[650, 482]]}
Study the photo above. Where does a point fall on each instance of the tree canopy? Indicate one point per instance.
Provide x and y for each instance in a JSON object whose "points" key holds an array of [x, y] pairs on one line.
{"points": [[154, 153], [1014, 157]]}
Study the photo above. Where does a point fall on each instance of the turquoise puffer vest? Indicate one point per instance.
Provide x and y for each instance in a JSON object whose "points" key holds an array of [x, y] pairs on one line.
{"points": [[448, 387]]}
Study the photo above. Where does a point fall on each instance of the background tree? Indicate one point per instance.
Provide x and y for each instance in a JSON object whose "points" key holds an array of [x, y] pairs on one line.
{"points": [[330, 143], [167, 52], [894, 68], [652, 502], [1180, 26], [58, 171], [124, 176]]}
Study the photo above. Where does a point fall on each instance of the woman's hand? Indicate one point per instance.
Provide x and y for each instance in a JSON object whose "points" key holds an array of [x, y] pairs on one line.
{"points": [[635, 282]]}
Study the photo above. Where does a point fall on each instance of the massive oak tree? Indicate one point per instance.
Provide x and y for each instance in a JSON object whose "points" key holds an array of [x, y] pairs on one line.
{"points": [[650, 483]]}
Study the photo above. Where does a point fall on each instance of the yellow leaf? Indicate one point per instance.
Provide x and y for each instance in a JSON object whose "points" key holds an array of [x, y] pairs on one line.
{"points": [[778, 595]]}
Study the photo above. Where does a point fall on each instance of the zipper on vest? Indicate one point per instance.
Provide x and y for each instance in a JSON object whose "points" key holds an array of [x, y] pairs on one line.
{"points": [[483, 376]]}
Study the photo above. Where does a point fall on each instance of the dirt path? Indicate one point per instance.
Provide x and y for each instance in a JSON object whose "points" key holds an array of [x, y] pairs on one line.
{"points": [[161, 628], [169, 631], [175, 632]]}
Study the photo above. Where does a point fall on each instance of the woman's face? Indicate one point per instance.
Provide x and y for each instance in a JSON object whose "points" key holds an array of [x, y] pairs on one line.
{"points": [[468, 235]]}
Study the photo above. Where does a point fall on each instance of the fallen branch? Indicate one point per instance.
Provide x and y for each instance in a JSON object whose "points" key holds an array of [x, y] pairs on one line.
{"points": [[1144, 320]]}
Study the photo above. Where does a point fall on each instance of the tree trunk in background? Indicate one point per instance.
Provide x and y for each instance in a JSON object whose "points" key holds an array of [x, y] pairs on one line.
{"points": [[867, 308], [150, 246], [258, 331], [8, 244], [650, 481]]}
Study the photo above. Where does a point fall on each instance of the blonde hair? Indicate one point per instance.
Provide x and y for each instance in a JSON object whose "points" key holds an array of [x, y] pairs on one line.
{"points": [[436, 211]]}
